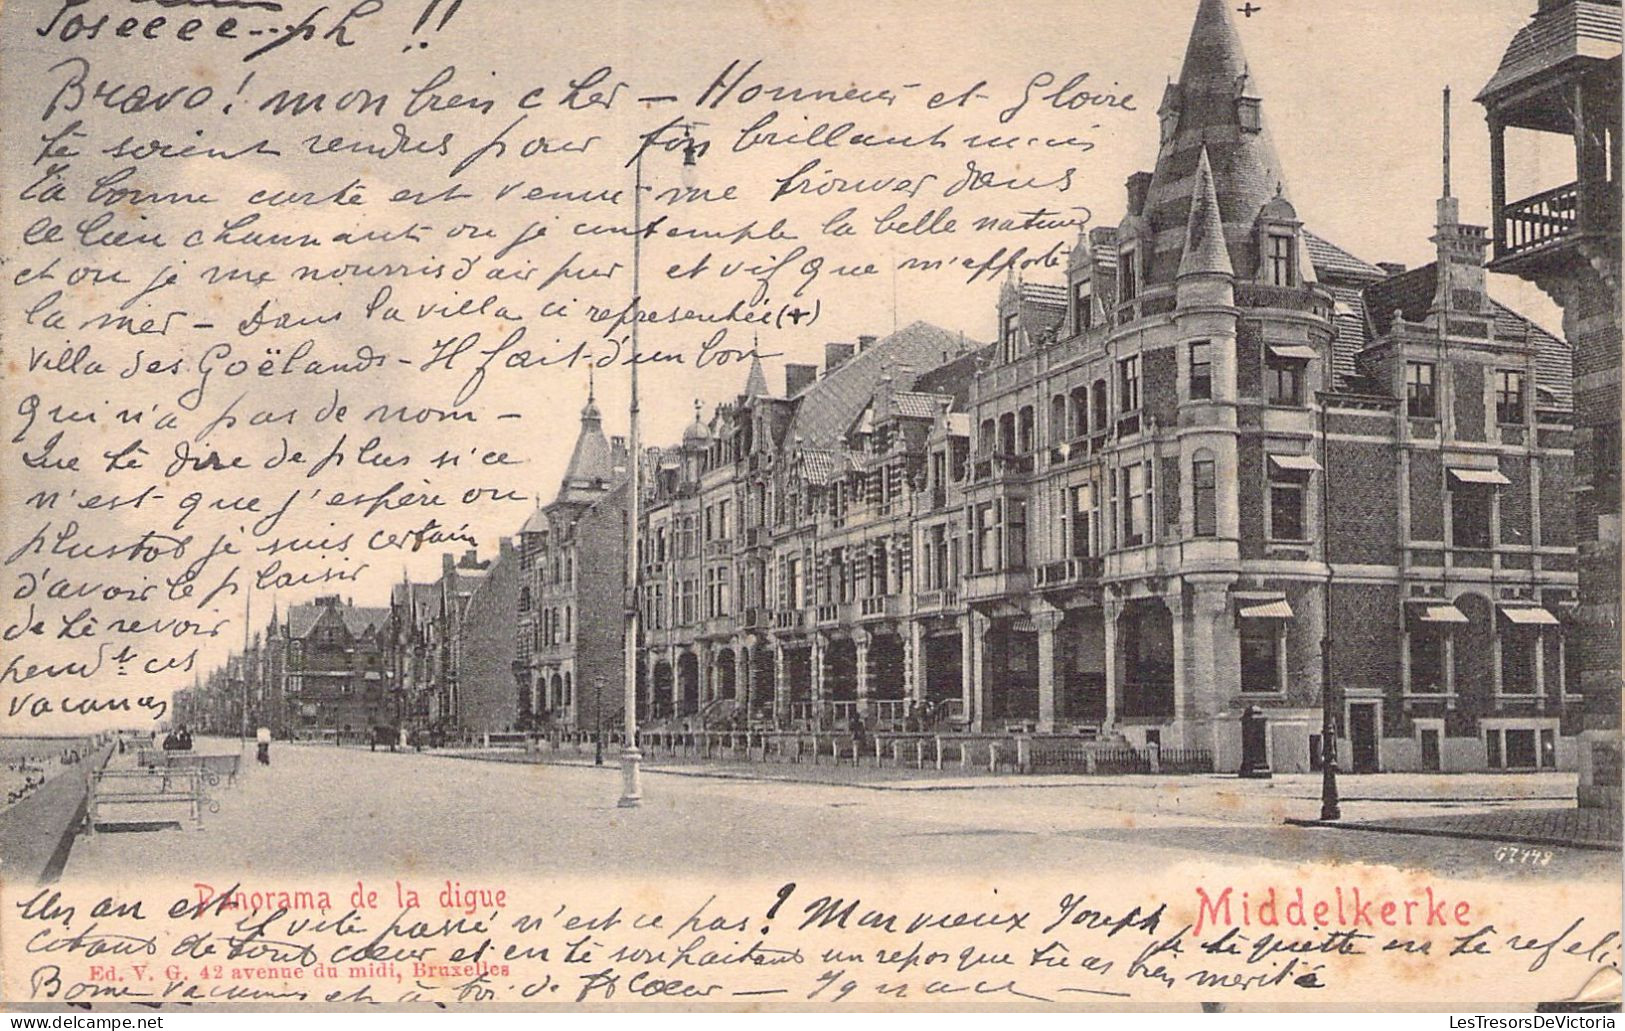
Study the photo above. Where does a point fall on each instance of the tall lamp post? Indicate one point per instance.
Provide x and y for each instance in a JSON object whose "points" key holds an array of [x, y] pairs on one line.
{"points": [[631, 757], [1329, 808]]}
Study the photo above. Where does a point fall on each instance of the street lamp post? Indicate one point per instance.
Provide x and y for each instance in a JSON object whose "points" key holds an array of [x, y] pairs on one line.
{"points": [[1329, 808], [598, 720], [631, 757]]}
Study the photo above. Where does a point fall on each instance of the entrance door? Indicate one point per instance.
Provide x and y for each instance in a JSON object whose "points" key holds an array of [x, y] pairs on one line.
{"points": [[1363, 737], [1430, 749]]}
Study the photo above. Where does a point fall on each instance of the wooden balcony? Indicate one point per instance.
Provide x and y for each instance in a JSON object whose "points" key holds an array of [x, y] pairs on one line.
{"points": [[1538, 221]]}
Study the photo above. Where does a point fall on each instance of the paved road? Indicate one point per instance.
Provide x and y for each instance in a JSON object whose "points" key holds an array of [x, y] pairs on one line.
{"points": [[326, 810]]}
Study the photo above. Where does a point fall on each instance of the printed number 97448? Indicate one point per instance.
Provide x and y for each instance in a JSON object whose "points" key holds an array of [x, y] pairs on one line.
{"points": [[1523, 856]]}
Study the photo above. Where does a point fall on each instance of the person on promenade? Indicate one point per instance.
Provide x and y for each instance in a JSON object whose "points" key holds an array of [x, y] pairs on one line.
{"points": [[262, 739]]}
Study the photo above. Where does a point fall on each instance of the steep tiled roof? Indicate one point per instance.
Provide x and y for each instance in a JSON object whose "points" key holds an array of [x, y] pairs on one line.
{"points": [[1579, 29], [1554, 362], [832, 403], [1348, 319], [1043, 307], [824, 465], [912, 404], [358, 620], [1333, 262], [301, 618]]}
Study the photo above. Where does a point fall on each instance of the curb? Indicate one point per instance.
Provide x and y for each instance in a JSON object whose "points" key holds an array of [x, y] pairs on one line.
{"points": [[1424, 832]]}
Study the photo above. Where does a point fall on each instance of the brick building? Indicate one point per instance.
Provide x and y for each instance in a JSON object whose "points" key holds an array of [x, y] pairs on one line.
{"points": [[568, 660], [1145, 506], [1560, 76], [338, 670]]}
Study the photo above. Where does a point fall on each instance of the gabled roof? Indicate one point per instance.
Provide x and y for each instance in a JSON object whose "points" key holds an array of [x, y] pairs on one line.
{"points": [[359, 620], [829, 405], [1412, 292]]}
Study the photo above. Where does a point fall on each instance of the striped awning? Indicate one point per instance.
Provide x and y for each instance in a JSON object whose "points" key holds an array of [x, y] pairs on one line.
{"points": [[1491, 477], [1294, 463], [1433, 611], [1528, 615], [1295, 352], [1276, 609]]}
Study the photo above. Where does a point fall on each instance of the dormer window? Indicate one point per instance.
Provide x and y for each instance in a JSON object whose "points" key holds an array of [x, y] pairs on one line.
{"points": [[1248, 115], [1082, 308], [1128, 274], [1012, 336], [1279, 266]]}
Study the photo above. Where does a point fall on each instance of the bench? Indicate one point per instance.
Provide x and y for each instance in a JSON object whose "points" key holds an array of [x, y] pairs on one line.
{"points": [[148, 789], [211, 767]]}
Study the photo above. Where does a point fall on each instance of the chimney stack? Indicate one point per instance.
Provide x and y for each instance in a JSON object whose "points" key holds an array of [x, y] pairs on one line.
{"points": [[865, 341], [835, 355], [1393, 268], [1138, 185], [798, 377]]}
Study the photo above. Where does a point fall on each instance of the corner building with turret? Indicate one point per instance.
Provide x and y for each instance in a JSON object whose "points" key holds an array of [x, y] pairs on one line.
{"points": [[1224, 466]]}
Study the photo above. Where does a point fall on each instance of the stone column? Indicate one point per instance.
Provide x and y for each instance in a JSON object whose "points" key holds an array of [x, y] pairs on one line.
{"points": [[914, 661], [1110, 608], [676, 681], [742, 678], [860, 640], [979, 627], [1046, 620], [1540, 667], [781, 686], [967, 662], [1203, 698], [817, 664], [706, 682]]}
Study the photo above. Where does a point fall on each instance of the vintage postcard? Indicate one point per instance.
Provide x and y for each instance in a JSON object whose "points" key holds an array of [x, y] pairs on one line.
{"points": [[810, 505]]}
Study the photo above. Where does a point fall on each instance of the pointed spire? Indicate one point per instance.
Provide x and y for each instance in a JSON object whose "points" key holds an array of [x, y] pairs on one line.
{"points": [[756, 379], [1205, 250], [590, 464], [1219, 109]]}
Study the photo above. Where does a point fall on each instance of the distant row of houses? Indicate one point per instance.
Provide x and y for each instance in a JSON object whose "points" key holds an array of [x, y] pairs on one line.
{"points": [[434, 664]]}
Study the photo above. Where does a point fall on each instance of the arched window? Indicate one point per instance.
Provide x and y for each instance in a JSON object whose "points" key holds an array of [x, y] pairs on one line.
{"points": [[985, 440], [1080, 411], [1057, 419], [1204, 502]]}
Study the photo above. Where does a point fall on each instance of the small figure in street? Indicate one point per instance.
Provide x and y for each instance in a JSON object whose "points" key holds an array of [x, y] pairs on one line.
{"points": [[859, 735], [183, 740], [262, 739]]}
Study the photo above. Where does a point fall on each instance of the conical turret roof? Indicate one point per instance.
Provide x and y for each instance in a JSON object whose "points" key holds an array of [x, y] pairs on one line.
{"points": [[1219, 112], [591, 465], [1205, 249]]}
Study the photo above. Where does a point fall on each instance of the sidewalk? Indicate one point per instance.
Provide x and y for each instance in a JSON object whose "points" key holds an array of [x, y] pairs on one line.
{"points": [[1370, 801], [1570, 827]]}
